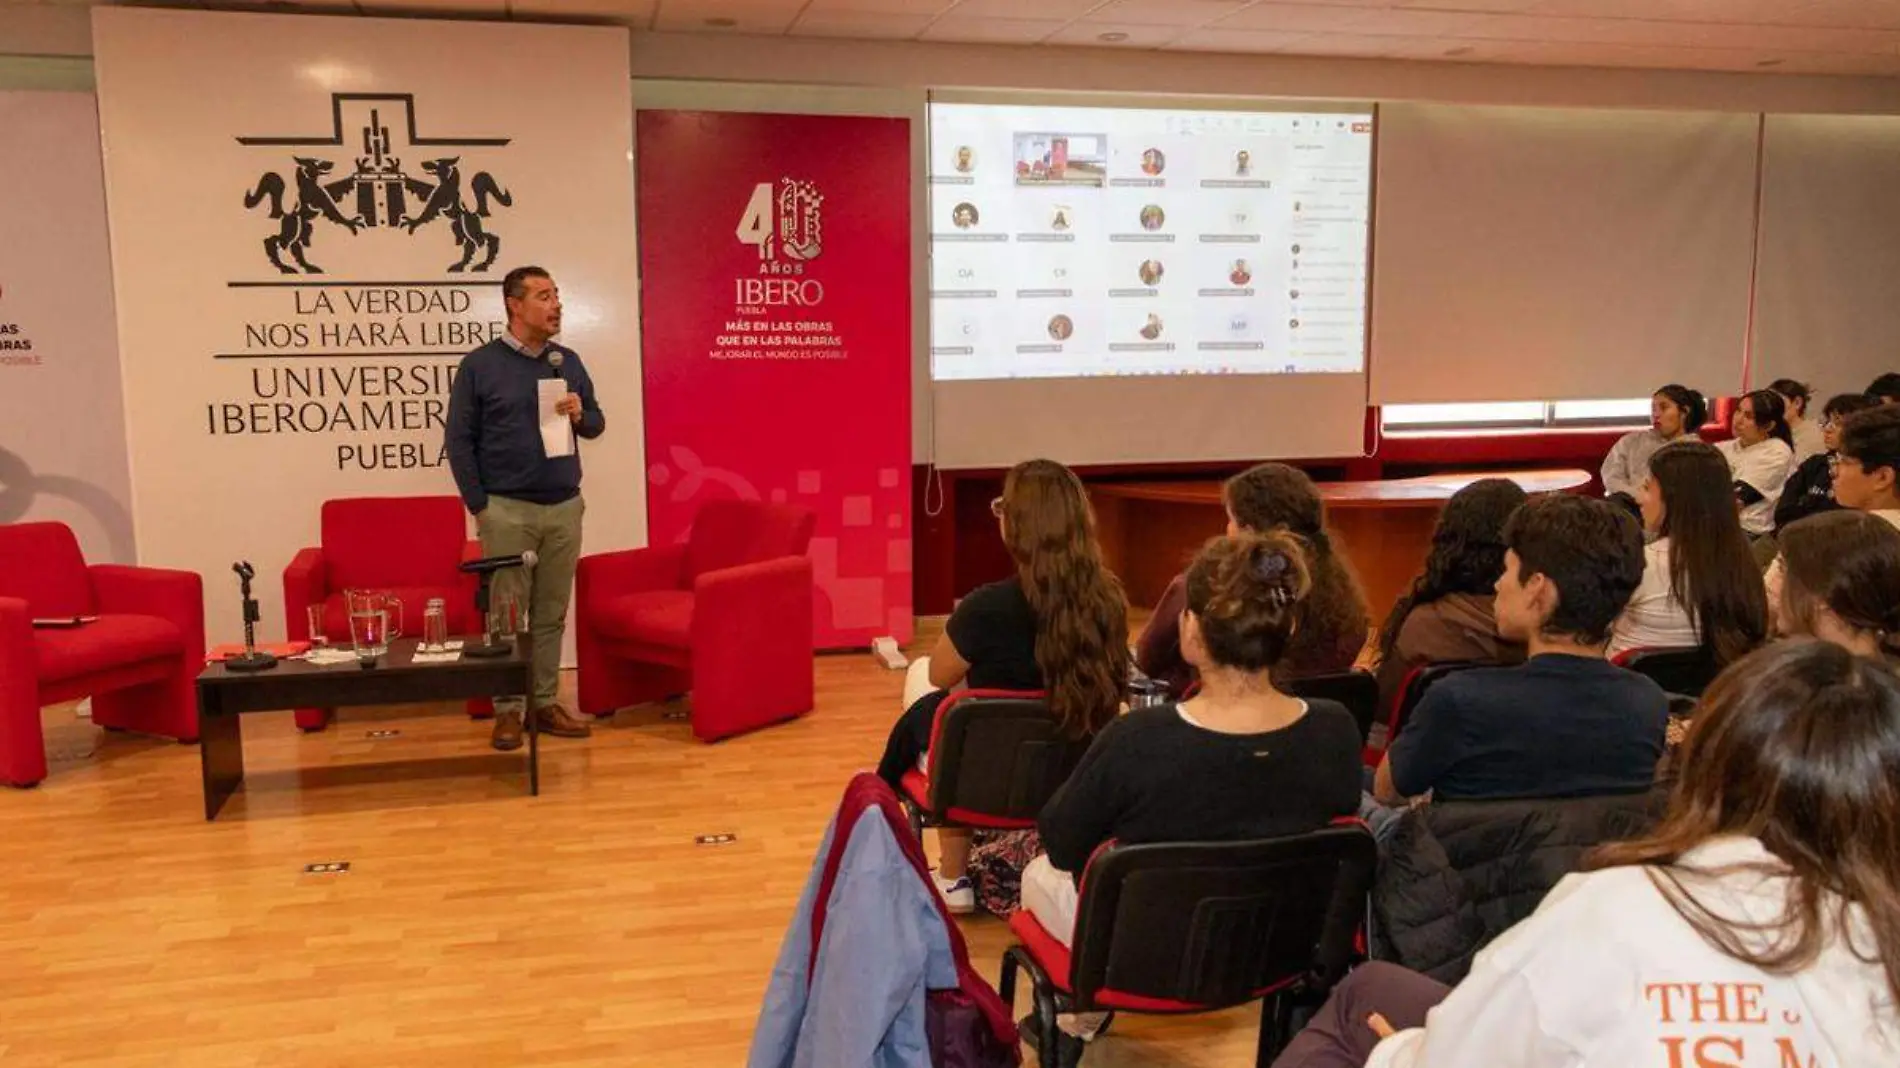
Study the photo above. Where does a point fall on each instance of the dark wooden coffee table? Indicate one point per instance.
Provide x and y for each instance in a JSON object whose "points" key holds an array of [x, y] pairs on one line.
{"points": [[224, 696]]}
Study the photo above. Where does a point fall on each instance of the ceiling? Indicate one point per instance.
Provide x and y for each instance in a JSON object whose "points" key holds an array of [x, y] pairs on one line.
{"points": [[1847, 37]]}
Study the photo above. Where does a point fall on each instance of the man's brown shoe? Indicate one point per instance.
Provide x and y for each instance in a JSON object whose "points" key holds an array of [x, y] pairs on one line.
{"points": [[555, 720], [507, 733]]}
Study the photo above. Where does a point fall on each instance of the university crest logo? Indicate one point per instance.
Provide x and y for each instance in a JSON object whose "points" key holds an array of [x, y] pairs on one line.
{"points": [[786, 223], [376, 189]]}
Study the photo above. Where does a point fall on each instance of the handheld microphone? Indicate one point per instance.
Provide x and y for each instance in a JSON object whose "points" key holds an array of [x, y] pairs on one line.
{"points": [[555, 356], [499, 563]]}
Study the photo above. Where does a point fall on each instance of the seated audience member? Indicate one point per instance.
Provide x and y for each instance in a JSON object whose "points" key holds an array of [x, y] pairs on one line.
{"points": [[1700, 585], [1060, 624], [1866, 468], [1886, 388], [1566, 722], [1841, 582], [1454, 875], [1805, 433], [1810, 489], [1448, 614], [1760, 458], [1676, 413], [1758, 926], [1333, 629], [1867, 464], [1240, 760]]}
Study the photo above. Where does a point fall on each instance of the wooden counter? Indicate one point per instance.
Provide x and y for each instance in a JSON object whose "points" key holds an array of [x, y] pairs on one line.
{"points": [[1150, 530]]}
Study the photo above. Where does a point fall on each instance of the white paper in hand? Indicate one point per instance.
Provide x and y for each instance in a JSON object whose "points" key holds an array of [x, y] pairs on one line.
{"points": [[557, 434]]}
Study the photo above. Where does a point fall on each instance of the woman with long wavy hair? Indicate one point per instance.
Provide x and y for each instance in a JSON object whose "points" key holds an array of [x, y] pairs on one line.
{"points": [[1700, 588], [1758, 926], [1059, 624], [1332, 630], [1449, 613]]}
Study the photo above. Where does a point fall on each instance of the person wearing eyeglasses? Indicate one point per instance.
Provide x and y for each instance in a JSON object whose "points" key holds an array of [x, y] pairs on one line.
{"points": [[1810, 490], [1866, 475]]}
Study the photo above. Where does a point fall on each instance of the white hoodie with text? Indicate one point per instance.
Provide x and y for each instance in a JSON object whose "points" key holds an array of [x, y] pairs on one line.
{"points": [[1606, 974]]}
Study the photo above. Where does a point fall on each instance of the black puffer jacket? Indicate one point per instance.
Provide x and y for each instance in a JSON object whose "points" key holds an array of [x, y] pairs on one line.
{"points": [[1455, 875]]}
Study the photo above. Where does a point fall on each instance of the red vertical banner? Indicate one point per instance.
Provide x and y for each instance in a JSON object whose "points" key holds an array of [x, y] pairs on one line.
{"points": [[775, 338]]}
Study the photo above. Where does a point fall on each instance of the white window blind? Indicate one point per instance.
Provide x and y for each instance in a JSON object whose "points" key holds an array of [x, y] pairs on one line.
{"points": [[1826, 312], [1559, 254]]}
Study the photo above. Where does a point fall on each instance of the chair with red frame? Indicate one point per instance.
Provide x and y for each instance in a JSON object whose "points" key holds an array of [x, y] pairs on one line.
{"points": [[1411, 692], [1201, 927], [412, 547], [137, 656], [996, 757], [1684, 671], [727, 616], [1357, 690]]}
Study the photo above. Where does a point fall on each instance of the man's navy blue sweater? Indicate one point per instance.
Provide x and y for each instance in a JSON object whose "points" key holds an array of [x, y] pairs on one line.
{"points": [[494, 430]]}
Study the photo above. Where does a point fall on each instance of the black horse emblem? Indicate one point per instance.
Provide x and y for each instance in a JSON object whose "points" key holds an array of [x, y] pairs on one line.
{"points": [[444, 200], [316, 199], [376, 193]]}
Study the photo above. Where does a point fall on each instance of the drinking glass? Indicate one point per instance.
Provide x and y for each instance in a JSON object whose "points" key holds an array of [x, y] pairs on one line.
{"points": [[369, 633], [435, 626], [317, 637], [504, 616]]}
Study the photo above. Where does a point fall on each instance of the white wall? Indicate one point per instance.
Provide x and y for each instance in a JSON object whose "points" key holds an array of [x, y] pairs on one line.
{"points": [[255, 390], [790, 74]]}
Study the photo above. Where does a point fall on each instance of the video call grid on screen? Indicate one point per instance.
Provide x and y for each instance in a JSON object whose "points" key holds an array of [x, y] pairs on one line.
{"points": [[1104, 241]]}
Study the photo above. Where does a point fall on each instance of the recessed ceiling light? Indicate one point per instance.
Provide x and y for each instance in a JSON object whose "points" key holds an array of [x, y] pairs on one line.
{"points": [[1461, 50], [722, 23], [1112, 37], [1768, 63]]}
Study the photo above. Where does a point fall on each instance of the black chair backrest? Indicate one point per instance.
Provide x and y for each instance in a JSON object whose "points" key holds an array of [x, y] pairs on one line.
{"points": [[1683, 671], [1219, 923], [1357, 690], [1416, 684], [999, 754]]}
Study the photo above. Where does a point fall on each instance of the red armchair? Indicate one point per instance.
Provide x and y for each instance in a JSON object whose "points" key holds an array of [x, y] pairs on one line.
{"points": [[727, 616], [410, 546], [138, 661]]}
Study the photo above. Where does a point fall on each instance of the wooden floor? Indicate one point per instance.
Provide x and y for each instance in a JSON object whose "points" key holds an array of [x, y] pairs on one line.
{"points": [[477, 926]]}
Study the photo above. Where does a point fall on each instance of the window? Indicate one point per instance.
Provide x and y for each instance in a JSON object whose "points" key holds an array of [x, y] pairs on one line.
{"points": [[1601, 412], [1514, 415]]}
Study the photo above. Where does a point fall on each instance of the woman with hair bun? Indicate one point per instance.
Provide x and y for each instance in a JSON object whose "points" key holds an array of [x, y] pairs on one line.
{"points": [[1263, 498], [1676, 413], [1242, 759]]}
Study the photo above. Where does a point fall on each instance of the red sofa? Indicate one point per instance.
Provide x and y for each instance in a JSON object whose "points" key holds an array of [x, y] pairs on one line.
{"points": [[727, 616], [411, 546], [139, 661]]}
